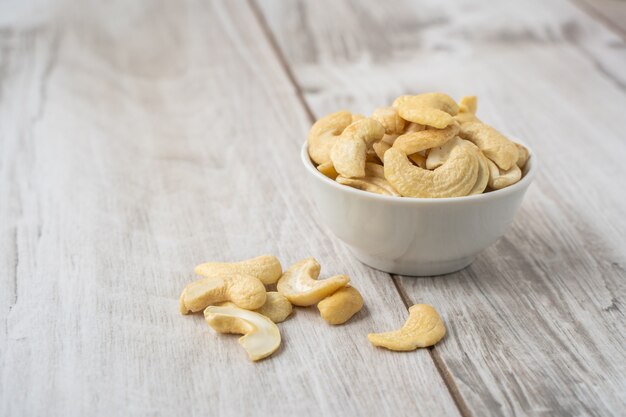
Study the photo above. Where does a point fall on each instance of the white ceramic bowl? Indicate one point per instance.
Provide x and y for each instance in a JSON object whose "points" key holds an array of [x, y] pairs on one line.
{"points": [[415, 236]]}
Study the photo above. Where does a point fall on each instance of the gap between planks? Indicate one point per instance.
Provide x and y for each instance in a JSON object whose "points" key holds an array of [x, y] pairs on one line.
{"points": [[443, 371]]}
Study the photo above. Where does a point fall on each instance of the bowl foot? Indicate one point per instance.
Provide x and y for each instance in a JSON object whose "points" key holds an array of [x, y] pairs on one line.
{"points": [[415, 269]]}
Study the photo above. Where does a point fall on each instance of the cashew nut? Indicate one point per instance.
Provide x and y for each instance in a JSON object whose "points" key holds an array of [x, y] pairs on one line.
{"points": [[341, 306], [328, 169], [390, 119], [301, 287], [245, 291], [500, 179], [418, 159], [423, 328], [380, 148], [468, 104], [324, 133], [389, 139], [522, 156], [261, 336], [277, 307], [374, 181], [438, 156], [350, 150], [265, 267], [431, 109], [492, 143], [456, 177], [414, 142], [413, 127]]}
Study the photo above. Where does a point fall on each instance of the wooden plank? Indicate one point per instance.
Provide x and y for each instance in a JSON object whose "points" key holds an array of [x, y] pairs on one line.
{"points": [[137, 141], [536, 324]]}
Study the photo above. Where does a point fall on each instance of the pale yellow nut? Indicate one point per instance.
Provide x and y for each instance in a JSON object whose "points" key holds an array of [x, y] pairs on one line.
{"points": [[349, 153], [522, 156], [380, 148], [374, 170], [418, 159], [265, 267], [423, 328], [277, 307], [323, 134], [492, 143], [328, 169], [413, 127], [500, 179], [371, 184], [389, 139], [341, 306], [466, 118], [301, 287], [439, 155], [468, 104], [414, 142], [431, 109], [455, 178], [261, 335], [390, 119], [245, 291]]}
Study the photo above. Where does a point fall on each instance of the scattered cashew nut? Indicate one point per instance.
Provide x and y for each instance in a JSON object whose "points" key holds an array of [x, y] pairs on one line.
{"points": [[301, 287], [277, 307], [423, 328], [341, 306], [265, 267], [245, 291], [261, 336]]}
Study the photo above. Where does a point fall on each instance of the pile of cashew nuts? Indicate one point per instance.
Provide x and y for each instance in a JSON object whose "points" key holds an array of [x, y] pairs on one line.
{"points": [[237, 298], [425, 146]]}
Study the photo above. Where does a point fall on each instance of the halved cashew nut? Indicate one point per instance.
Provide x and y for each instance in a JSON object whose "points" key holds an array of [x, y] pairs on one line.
{"points": [[323, 134], [492, 143], [261, 336], [328, 169], [265, 267], [500, 179], [341, 306], [522, 156], [277, 307], [301, 287], [423, 328], [456, 177], [411, 143], [390, 119], [350, 150], [245, 291], [431, 109]]}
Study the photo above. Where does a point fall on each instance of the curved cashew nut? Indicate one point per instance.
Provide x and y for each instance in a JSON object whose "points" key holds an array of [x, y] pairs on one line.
{"points": [[323, 134], [492, 143], [431, 109], [277, 307], [261, 336], [411, 143], [301, 287], [374, 181], [453, 179], [341, 306], [390, 119], [245, 291], [523, 155], [423, 328], [439, 155], [500, 179], [328, 169], [265, 267], [350, 150]]}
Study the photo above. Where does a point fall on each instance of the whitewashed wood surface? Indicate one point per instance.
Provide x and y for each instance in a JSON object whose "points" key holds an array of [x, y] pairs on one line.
{"points": [[138, 139]]}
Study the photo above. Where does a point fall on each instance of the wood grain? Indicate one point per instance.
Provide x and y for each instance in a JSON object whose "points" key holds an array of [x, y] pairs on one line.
{"points": [[536, 324], [138, 139]]}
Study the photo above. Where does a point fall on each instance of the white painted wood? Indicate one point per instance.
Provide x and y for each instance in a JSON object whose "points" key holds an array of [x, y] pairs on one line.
{"points": [[138, 139], [536, 324]]}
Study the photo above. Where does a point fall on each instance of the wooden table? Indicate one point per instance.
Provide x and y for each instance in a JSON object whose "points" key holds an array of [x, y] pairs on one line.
{"points": [[140, 138]]}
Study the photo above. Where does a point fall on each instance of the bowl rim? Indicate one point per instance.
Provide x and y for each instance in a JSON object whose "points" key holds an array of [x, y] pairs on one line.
{"points": [[530, 168]]}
